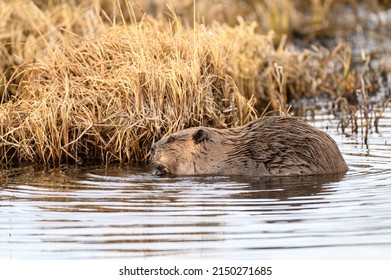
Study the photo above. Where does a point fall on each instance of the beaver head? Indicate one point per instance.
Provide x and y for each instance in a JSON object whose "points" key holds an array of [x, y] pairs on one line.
{"points": [[188, 152]]}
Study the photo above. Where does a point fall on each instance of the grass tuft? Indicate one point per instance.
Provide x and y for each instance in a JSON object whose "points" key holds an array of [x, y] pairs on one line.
{"points": [[110, 97]]}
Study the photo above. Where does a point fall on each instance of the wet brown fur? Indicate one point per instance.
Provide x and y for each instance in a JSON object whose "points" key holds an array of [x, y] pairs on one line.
{"points": [[269, 146]]}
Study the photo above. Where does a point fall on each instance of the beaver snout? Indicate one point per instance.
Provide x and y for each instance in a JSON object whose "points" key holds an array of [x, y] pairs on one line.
{"points": [[159, 169]]}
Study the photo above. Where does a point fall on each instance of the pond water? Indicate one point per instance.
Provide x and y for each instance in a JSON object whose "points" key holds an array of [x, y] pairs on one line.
{"points": [[122, 212]]}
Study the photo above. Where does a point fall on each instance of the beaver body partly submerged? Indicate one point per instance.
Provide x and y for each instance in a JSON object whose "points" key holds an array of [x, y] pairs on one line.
{"points": [[269, 146]]}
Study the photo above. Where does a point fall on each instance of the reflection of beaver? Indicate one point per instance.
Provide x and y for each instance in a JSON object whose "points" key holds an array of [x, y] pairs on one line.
{"points": [[270, 146]]}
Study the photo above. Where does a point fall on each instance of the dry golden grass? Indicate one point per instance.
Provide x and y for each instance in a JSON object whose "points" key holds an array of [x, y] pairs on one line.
{"points": [[83, 82], [313, 18], [109, 98], [28, 27]]}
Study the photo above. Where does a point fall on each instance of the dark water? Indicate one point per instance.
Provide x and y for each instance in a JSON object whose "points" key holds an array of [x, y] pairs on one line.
{"points": [[120, 212]]}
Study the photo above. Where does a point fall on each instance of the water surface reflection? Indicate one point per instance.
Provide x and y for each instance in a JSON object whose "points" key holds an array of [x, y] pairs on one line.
{"points": [[117, 212]]}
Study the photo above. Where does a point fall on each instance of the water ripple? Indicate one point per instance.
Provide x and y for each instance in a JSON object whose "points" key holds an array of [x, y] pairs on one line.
{"points": [[104, 212]]}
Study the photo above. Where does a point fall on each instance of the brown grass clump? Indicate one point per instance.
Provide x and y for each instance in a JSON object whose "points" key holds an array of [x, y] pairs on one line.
{"points": [[27, 27], [294, 18], [313, 72], [109, 98]]}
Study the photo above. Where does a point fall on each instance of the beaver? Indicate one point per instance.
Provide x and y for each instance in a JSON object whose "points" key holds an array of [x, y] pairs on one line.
{"points": [[268, 146]]}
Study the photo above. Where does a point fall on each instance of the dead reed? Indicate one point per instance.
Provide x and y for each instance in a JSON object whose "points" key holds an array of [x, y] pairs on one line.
{"points": [[362, 116]]}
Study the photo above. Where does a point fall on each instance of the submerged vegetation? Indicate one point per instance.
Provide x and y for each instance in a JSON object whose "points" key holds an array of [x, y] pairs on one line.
{"points": [[100, 81]]}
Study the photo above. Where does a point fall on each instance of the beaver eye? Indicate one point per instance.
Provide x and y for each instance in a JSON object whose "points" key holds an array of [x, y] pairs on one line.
{"points": [[170, 139]]}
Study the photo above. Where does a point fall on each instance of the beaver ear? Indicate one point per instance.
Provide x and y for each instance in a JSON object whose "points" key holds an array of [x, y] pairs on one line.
{"points": [[199, 136]]}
